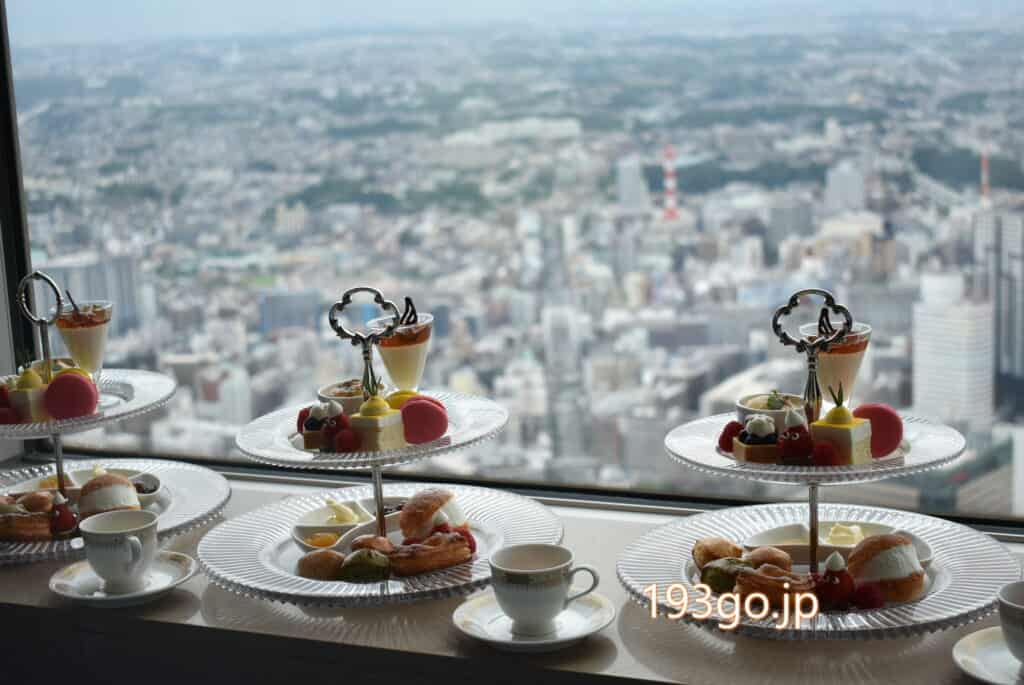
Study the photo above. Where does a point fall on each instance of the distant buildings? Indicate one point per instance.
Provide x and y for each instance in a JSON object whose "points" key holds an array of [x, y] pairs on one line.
{"points": [[954, 354], [844, 188], [633, 194], [98, 276], [280, 310]]}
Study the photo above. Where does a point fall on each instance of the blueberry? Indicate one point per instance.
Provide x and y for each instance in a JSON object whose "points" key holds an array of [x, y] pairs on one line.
{"points": [[312, 424], [745, 437]]}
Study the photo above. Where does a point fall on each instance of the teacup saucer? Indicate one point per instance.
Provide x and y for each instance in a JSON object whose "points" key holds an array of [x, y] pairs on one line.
{"points": [[79, 583], [985, 656], [480, 617]]}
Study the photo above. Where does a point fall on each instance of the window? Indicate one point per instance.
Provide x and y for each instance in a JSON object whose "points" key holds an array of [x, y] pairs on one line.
{"points": [[223, 175]]}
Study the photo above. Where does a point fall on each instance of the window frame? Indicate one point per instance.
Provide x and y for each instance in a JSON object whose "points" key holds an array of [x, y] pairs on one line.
{"points": [[15, 247]]}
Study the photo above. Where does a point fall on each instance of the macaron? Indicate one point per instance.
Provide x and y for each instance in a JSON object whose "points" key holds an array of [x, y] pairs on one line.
{"points": [[886, 428], [424, 419], [70, 395]]}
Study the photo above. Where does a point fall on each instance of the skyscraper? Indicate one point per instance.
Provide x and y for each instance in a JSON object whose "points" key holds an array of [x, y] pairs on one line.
{"points": [[954, 354], [844, 188], [999, 279], [633, 194]]}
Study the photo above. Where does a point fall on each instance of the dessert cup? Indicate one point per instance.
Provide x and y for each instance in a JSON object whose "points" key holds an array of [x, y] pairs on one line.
{"points": [[404, 352], [841, 363], [84, 332]]}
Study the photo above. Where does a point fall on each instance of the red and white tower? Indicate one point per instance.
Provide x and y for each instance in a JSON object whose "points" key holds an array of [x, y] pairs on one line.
{"points": [[668, 167], [984, 174]]}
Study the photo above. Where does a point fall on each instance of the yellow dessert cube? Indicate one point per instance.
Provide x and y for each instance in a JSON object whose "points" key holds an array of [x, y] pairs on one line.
{"points": [[852, 440], [379, 426]]}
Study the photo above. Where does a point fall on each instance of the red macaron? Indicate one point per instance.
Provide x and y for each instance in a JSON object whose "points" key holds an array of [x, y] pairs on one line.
{"points": [[70, 395], [424, 419], [886, 428]]}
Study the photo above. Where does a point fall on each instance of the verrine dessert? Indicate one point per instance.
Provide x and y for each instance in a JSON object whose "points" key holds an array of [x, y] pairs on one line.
{"points": [[838, 367], [84, 330], [405, 351]]}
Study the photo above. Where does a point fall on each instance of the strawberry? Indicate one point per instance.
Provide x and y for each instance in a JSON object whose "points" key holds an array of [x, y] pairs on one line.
{"points": [[834, 589], [303, 415], [463, 530], [347, 440], [731, 430], [8, 415], [868, 596], [795, 446], [64, 520], [825, 454], [442, 528], [5, 398], [332, 427]]}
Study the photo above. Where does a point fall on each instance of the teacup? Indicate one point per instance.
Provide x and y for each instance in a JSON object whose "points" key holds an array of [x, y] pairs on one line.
{"points": [[120, 546], [532, 582], [1011, 614]]}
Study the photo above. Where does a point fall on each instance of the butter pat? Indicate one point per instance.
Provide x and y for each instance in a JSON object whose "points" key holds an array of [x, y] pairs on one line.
{"points": [[841, 534]]}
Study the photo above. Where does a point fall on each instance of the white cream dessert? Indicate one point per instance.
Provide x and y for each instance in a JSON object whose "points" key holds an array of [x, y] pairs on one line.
{"points": [[405, 352], [890, 564], [85, 333], [108, 492], [890, 561], [841, 534]]}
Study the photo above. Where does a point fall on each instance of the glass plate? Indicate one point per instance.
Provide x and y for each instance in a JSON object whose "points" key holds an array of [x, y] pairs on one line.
{"points": [[194, 496], [135, 392], [471, 419], [926, 446], [253, 554], [968, 570]]}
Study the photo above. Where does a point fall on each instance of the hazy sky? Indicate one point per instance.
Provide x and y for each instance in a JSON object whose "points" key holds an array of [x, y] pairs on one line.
{"points": [[77, 21]]}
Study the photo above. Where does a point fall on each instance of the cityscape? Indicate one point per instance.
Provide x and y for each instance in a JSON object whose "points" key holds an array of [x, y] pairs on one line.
{"points": [[602, 221]]}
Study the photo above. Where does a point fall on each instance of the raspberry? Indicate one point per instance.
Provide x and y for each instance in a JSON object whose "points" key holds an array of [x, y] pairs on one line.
{"points": [[8, 415], [825, 454], [347, 440], [731, 430], [868, 596], [5, 398], [303, 415]]}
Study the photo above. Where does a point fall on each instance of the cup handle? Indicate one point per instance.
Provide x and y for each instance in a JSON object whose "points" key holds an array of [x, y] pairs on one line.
{"points": [[593, 585], [134, 546]]}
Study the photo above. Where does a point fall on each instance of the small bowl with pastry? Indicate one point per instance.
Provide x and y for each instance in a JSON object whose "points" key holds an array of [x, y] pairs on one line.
{"points": [[429, 533]]}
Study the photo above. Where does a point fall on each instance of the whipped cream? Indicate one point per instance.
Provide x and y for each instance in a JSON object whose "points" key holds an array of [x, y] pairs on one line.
{"points": [[794, 418], [760, 425], [891, 564], [333, 409], [835, 563]]}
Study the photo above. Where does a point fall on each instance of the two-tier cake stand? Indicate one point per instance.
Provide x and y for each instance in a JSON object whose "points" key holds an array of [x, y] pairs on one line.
{"points": [[189, 496], [255, 555], [967, 569]]}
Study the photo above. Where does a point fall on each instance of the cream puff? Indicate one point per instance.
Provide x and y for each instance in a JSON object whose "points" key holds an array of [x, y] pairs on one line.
{"points": [[108, 492], [891, 562]]}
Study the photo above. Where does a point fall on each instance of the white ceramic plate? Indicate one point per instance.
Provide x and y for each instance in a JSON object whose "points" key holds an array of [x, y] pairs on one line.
{"points": [[80, 584], [255, 554], [985, 656], [926, 446], [481, 618], [190, 496], [76, 478], [471, 420], [967, 570]]}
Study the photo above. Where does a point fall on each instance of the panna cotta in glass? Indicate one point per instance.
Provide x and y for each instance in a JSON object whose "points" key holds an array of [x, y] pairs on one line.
{"points": [[840, 365], [84, 331], [404, 352]]}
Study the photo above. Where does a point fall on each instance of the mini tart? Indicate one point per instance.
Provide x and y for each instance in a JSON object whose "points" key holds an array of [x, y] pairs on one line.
{"points": [[25, 527], [109, 492], [758, 454]]}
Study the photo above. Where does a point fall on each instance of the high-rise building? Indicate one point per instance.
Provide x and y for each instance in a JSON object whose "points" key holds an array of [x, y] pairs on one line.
{"points": [[844, 188], [633, 194], [562, 370], [954, 354], [95, 276], [792, 214], [999, 279], [280, 310]]}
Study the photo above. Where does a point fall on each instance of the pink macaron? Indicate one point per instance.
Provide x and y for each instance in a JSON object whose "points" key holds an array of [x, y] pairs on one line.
{"points": [[424, 419], [886, 428], [70, 395]]}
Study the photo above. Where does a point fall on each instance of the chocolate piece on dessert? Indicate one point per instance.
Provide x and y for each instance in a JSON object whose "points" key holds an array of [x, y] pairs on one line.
{"points": [[378, 425], [891, 561], [850, 436], [108, 492], [321, 564], [707, 550], [886, 428]]}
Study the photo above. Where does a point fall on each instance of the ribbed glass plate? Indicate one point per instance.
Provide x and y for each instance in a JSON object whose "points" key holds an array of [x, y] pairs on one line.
{"points": [[192, 496], [137, 392], [471, 419], [967, 571], [254, 554], [931, 445]]}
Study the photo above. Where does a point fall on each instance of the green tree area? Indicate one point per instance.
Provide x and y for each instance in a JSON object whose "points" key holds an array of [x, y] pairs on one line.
{"points": [[456, 195], [708, 176], [961, 168]]}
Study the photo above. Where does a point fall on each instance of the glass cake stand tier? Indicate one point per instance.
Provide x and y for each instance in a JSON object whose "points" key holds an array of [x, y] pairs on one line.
{"points": [[190, 496], [471, 419], [926, 446], [966, 573], [255, 555], [126, 392]]}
